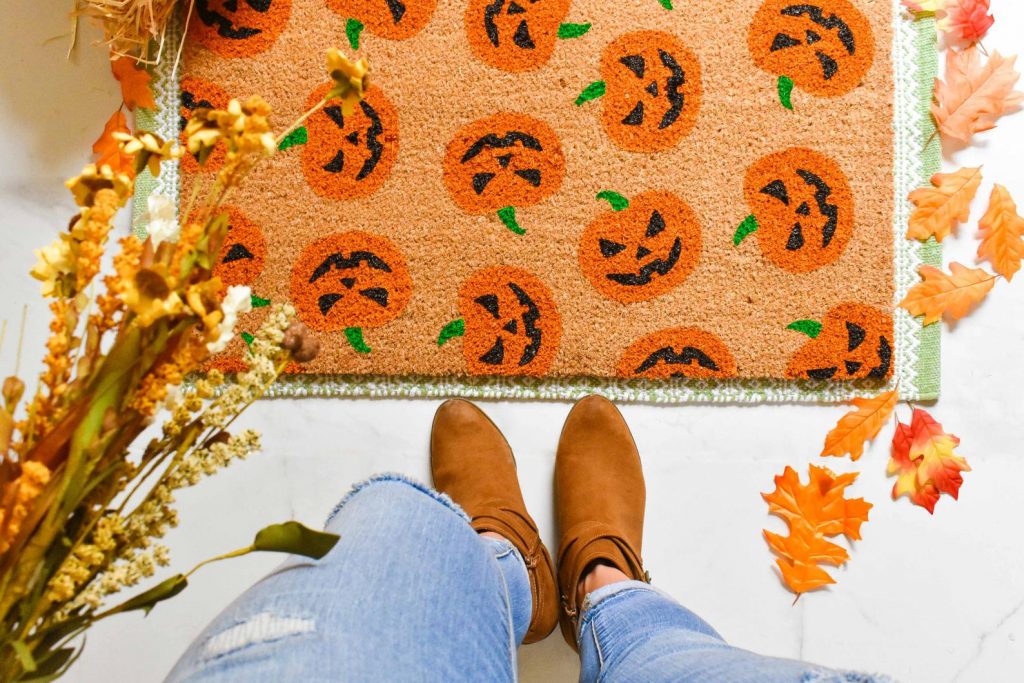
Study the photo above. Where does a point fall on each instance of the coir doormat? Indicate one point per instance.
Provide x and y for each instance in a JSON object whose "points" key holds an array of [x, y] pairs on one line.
{"points": [[541, 198]]}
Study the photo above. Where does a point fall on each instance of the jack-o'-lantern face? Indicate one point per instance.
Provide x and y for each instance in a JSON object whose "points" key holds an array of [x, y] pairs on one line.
{"points": [[238, 28], [503, 160], [642, 251], [347, 157], [514, 35], [854, 341], [653, 90], [512, 326], [350, 279], [243, 251], [825, 46], [198, 93], [802, 209], [390, 19], [677, 352]]}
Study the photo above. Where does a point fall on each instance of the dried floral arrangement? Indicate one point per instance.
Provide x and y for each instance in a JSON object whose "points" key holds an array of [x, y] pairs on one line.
{"points": [[130, 27], [85, 493]]}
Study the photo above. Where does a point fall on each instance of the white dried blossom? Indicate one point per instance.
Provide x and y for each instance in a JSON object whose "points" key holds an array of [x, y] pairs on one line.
{"points": [[161, 220], [238, 299]]}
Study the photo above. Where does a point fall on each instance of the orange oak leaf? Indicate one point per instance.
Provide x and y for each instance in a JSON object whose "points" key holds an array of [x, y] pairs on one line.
{"points": [[108, 150], [924, 463], [974, 94], [924, 6], [950, 295], [860, 425], [1002, 234], [812, 512], [966, 20], [135, 89], [940, 208]]}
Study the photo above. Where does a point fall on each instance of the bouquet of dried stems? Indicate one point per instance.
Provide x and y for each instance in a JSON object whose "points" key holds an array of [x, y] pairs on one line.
{"points": [[82, 505], [129, 26]]}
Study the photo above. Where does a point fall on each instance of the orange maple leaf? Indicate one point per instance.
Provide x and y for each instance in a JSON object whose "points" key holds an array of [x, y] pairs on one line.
{"points": [[974, 94], [860, 425], [135, 89], [109, 150], [966, 20], [924, 463], [1002, 234], [951, 295], [941, 207], [812, 512]]}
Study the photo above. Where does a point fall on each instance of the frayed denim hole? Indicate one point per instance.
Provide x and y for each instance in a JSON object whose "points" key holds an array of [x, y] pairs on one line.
{"points": [[258, 629], [396, 477]]}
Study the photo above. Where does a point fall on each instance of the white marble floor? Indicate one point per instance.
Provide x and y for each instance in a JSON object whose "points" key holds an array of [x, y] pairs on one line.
{"points": [[924, 598]]}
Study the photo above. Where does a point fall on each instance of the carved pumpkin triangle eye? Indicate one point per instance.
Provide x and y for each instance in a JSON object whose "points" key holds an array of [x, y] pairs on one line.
{"points": [[489, 302], [237, 252], [777, 189], [855, 335], [609, 248], [397, 9], [634, 63], [656, 224]]}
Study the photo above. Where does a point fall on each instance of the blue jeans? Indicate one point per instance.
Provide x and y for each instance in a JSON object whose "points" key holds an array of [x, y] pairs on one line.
{"points": [[412, 593]]}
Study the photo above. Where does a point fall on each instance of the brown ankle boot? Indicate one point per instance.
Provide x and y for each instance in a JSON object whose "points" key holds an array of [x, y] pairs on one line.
{"points": [[472, 463], [599, 501]]}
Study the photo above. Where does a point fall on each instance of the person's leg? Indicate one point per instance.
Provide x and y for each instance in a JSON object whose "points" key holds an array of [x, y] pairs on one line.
{"points": [[410, 593], [630, 632]]}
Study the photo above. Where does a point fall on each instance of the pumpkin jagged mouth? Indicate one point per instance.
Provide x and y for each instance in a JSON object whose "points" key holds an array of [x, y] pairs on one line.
{"points": [[496, 354], [669, 356], [822, 191], [493, 141], [829, 66], [225, 27], [339, 262], [521, 37], [373, 144], [658, 266], [673, 93]]}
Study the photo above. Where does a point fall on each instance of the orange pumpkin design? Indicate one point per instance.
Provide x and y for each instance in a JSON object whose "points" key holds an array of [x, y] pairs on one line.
{"points": [[677, 352], [802, 209], [238, 28], [825, 46], [512, 326], [198, 93], [243, 252], [389, 19], [854, 341], [350, 279], [642, 251], [503, 160], [653, 91], [347, 157], [514, 35]]}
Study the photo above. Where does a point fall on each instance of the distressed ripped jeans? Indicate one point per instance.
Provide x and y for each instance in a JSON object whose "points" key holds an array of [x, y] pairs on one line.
{"points": [[412, 593]]}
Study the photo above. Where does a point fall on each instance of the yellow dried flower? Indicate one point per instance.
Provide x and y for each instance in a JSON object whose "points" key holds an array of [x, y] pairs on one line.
{"points": [[18, 496], [150, 295], [55, 264], [148, 149], [351, 79], [85, 186]]}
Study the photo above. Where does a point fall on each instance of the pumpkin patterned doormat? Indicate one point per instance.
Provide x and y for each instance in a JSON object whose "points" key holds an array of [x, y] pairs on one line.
{"points": [[545, 198]]}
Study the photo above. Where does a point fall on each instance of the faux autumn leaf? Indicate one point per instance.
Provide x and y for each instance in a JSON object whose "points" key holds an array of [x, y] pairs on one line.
{"points": [[109, 150], [135, 90], [951, 295], [1002, 234], [966, 20], [924, 6], [941, 207], [812, 512], [860, 425], [924, 462], [974, 94]]}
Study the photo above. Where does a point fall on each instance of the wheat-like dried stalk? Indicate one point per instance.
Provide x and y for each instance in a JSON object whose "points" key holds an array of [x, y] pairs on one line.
{"points": [[130, 25]]}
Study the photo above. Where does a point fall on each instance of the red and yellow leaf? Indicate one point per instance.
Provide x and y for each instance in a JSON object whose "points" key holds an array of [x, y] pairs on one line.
{"points": [[812, 512], [860, 425], [1002, 234], [135, 87], [924, 463], [940, 208], [108, 150], [950, 295], [924, 6], [974, 94], [966, 21]]}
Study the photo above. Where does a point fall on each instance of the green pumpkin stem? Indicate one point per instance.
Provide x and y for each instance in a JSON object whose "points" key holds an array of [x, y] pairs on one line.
{"points": [[667, 4], [353, 27], [257, 301], [507, 214], [591, 92], [786, 92], [354, 335], [748, 226], [299, 136], [572, 30], [617, 201], [812, 328], [248, 339], [455, 328]]}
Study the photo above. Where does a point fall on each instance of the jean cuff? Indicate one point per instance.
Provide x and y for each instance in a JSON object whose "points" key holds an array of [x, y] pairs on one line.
{"points": [[393, 477], [593, 599]]}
